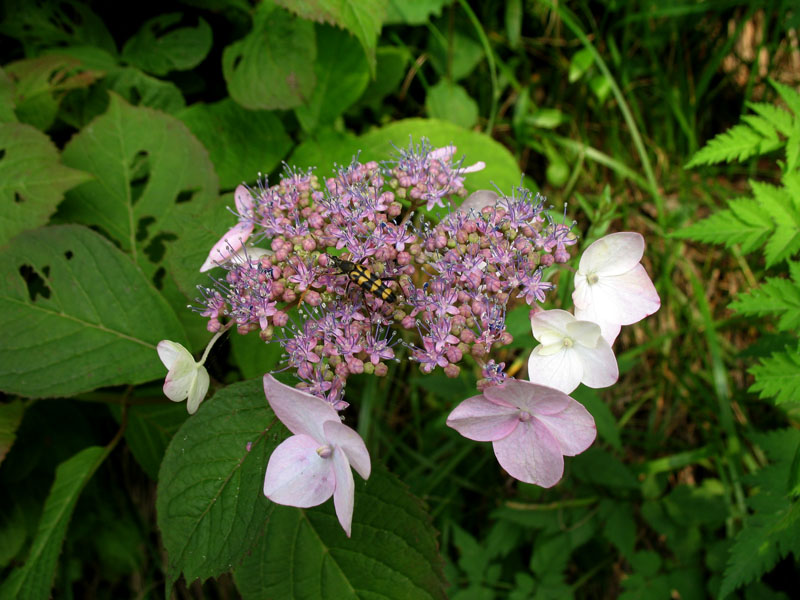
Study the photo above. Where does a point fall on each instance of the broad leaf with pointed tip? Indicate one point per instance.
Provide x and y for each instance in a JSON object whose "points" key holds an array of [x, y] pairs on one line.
{"points": [[32, 180], [77, 314]]}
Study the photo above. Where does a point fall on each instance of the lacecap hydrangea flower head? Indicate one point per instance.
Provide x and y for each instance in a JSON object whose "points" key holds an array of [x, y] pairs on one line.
{"points": [[392, 261]]}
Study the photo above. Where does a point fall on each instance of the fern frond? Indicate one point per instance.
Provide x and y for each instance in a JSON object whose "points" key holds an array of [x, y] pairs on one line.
{"points": [[779, 205], [789, 95], [740, 142], [745, 223], [778, 376], [777, 296], [777, 117]]}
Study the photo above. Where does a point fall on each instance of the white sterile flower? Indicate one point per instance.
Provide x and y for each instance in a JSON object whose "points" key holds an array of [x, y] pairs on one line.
{"points": [[570, 352], [612, 288], [186, 379]]}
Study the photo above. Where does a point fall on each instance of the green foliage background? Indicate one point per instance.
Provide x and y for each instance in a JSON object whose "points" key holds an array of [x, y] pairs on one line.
{"points": [[125, 127]]}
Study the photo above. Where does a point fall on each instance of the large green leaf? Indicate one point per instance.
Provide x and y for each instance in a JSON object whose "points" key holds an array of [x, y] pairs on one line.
{"points": [[226, 130], [450, 102], [77, 315], [210, 503], [6, 99], [501, 168], [342, 76], [153, 179], [273, 67], [32, 180], [10, 418], [362, 19], [392, 553], [160, 47], [32, 581], [213, 516]]}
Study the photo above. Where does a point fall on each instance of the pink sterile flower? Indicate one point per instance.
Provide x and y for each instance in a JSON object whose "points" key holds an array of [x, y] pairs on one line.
{"points": [[187, 379], [230, 243], [314, 464], [446, 153], [611, 286], [531, 427], [570, 352]]}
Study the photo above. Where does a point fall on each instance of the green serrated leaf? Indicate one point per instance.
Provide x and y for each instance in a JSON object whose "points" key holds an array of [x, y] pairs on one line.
{"points": [[342, 76], [762, 126], [778, 376], [152, 177], [52, 23], [226, 130], [450, 102], [739, 143], [392, 553], [211, 508], [160, 47], [619, 526], [746, 223], [42, 82], [10, 418], [789, 95], [139, 89], [776, 296], [32, 180], [77, 315], [362, 19], [777, 117], [273, 67], [32, 581]]}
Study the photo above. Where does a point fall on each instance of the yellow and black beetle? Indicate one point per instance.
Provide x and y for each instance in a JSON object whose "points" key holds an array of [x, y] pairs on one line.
{"points": [[364, 278]]}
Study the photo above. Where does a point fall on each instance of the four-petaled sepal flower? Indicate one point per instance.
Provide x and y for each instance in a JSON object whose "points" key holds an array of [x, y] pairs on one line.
{"points": [[571, 352], [531, 427], [186, 379], [612, 288], [231, 243], [314, 464]]}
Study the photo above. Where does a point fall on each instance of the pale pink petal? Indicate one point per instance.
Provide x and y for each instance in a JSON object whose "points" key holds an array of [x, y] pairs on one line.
{"points": [[351, 444], [599, 364], [573, 427], [444, 153], [479, 200], [478, 166], [297, 475], [228, 245], [344, 493], [301, 412], [613, 254], [531, 454], [562, 371], [171, 352], [243, 200], [197, 390], [533, 398], [481, 420]]}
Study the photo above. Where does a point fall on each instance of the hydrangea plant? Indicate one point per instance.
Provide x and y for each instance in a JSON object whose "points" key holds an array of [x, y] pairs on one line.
{"points": [[351, 272]]}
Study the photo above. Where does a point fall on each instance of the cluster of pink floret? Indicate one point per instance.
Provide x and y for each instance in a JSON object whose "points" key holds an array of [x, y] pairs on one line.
{"points": [[453, 279]]}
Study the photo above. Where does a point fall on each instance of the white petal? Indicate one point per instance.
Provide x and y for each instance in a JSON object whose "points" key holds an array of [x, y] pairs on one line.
{"points": [[480, 419], [621, 299], [609, 331], [180, 380], [171, 352], [550, 326], [599, 364], [531, 454], [341, 436], [344, 493], [297, 475], [584, 332], [573, 427], [613, 254], [228, 245], [198, 389], [562, 371]]}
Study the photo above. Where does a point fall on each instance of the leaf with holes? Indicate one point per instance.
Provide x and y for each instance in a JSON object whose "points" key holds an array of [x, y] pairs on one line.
{"points": [[77, 314], [32, 180], [152, 179], [160, 46], [273, 67]]}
